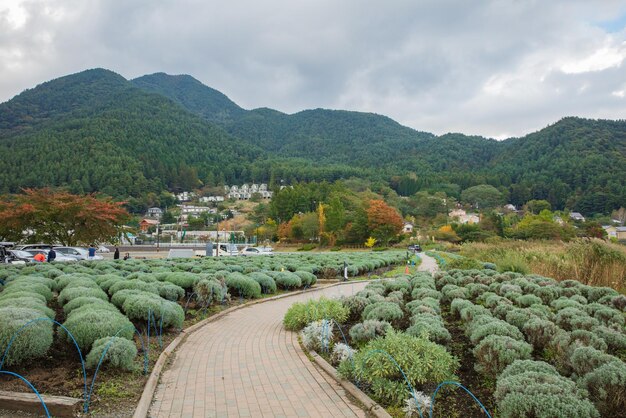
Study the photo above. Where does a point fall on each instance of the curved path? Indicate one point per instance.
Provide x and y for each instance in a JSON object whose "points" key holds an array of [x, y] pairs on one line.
{"points": [[246, 365]]}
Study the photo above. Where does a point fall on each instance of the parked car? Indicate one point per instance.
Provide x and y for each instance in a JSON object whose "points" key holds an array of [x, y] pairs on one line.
{"points": [[255, 251], [28, 247], [5, 256], [20, 255], [78, 252], [59, 258], [416, 248], [103, 249]]}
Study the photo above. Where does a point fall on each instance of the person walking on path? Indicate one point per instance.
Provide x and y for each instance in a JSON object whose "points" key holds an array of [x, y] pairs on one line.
{"points": [[92, 252], [52, 255], [116, 254]]}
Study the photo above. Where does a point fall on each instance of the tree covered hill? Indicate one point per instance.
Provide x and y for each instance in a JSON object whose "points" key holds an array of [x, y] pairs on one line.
{"points": [[96, 131]]}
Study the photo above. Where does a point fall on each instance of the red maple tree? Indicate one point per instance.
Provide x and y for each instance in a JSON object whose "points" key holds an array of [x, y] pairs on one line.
{"points": [[44, 215], [383, 221]]}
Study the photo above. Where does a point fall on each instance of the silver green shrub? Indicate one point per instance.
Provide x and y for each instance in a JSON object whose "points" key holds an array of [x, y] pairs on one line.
{"points": [[134, 284], [547, 294], [82, 301], [585, 359], [341, 352], [268, 285], [33, 342], [528, 300], [243, 286], [318, 335], [424, 292], [495, 352], [210, 290], [355, 304], [91, 323], [574, 318], [29, 303], [17, 286], [170, 291], [383, 311], [539, 332], [607, 388], [588, 338], [70, 293], [429, 327], [182, 279], [530, 389], [368, 330], [615, 340], [137, 307], [120, 353], [496, 327], [416, 305], [287, 280], [307, 278]]}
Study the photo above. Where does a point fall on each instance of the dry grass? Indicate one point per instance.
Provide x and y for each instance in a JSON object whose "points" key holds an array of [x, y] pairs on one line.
{"points": [[593, 262]]}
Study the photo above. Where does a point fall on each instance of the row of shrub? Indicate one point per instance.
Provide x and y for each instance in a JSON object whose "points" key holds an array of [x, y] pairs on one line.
{"points": [[379, 314], [579, 329]]}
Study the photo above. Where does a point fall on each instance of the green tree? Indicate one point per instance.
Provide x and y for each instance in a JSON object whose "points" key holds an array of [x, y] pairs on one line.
{"points": [[536, 206], [482, 196]]}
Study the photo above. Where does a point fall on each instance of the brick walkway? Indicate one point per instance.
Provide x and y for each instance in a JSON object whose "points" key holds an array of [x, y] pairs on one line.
{"points": [[247, 365]]}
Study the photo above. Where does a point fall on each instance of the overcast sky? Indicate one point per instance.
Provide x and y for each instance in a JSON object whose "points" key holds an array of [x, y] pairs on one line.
{"points": [[493, 68]]}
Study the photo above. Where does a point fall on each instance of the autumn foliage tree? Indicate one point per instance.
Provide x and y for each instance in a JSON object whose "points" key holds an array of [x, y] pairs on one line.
{"points": [[44, 215], [383, 221]]}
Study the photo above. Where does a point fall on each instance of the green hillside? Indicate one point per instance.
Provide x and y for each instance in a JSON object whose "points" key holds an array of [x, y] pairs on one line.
{"points": [[96, 131]]}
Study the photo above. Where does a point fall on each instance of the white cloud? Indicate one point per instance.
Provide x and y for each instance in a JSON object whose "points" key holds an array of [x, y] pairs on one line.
{"points": [[495, 68]]}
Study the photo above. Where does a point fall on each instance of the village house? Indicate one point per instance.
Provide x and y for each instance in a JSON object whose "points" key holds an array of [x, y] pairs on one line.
{"points": [[616, 232], [245, 191], [407, 228], [185, 196], [211, 199], [577, 216], [154, 213], [145, 224]]}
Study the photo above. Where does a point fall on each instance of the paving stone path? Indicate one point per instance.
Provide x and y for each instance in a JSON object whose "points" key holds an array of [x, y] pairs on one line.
{"points": [[247, 365]]}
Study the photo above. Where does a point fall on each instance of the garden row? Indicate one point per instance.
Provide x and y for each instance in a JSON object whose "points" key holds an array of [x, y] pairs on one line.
{"points": [[553, 349], [106, 303]]}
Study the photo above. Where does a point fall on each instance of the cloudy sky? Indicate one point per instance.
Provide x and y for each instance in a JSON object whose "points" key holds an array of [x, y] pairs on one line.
{"points": [[496, 68]]}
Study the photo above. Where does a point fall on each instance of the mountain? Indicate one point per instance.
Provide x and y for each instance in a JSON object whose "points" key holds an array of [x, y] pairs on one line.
{"points": [[185, 90], [96, 131]]}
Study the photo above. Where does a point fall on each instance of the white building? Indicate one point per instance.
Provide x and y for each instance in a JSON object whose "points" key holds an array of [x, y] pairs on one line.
{"points": [[463, 217]]}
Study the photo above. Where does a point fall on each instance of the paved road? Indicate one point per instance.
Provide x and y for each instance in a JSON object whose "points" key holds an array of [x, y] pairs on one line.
{"points": [[428, 264], [247, 365]]}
